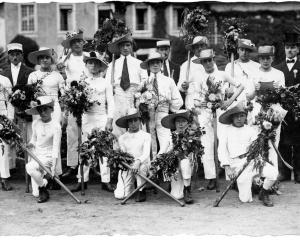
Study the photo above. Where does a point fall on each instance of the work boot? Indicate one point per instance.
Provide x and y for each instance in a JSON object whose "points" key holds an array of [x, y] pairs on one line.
{"points": [[6, 185], [69, 173], [43, 195], [211, 184], [187, 195], [264, 197], [53, 185], [141, 196], [78, 187], [108, 187]]}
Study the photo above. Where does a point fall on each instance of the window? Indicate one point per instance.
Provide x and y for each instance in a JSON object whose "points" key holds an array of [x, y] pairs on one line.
{"points": [[141, 19], [177, 15], [66, 17], [102, 15], [27, 18]]}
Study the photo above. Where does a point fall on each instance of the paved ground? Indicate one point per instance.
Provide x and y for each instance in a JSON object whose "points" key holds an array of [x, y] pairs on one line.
{"points": [[101, 214]]}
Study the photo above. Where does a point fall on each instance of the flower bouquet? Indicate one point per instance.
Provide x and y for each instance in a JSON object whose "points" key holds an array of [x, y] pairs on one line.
{"points": [[213, 96], [8, 132], [115, 159]]}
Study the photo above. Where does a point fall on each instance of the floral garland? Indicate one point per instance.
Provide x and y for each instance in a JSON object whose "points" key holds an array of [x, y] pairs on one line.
{"points": [[233, 28], [79, 98], [195, 23], [8, 131]]}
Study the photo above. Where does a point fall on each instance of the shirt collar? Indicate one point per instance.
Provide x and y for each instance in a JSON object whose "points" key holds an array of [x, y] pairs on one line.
{"points": [[295, 58], [14, 66]]}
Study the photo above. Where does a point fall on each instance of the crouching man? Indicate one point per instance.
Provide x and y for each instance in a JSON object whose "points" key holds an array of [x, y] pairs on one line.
{"points": [[137, 143], [233, 148]]}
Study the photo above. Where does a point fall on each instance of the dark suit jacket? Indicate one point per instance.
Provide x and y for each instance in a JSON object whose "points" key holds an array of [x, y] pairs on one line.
{"points": [[290, 133], [175, 69]]}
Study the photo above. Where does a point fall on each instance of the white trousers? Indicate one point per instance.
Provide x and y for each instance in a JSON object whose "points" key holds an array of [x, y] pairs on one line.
{"points": [[5, 156], [163, 134], [126, 179], [177, 182], [244, 181], [90, 121], [72, 142]]}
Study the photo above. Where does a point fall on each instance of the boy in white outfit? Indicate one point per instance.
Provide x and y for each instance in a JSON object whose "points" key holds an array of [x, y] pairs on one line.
{"points": [[233, 148]]}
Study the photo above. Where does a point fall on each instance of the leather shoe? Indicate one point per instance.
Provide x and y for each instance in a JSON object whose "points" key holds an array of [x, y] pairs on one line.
{"points": [[78, 187], [43, 195], [187, 195], [70, 172], [211, 184], [108, 187], [264, 197], [5, 185], [140, 196]]}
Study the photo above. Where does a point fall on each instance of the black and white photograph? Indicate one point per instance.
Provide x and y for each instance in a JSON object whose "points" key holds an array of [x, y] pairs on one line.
{"points": [[153, 119]]}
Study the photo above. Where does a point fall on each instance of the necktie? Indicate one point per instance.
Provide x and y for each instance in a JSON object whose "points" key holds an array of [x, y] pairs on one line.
{"points": [[125, 82], [155, 85], [166, 69], [290, 61]]}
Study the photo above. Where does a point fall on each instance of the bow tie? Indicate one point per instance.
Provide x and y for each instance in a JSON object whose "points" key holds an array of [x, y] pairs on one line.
{"points": [[290, 61]]}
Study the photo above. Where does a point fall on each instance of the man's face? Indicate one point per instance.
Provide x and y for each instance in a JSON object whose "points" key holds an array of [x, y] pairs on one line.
{"points": [[244, 54], [134, 125], [125, 48], [93, 66], [239, 119], [181, 124], [164, 51], [15, 57], [198, 47], [265, 62], [45, 113], [77, 45], [208, 64], [45, 61], [291, 51], [155, 66]]}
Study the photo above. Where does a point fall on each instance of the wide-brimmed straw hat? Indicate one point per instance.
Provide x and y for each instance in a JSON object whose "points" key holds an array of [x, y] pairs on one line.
{"points": [[247, 44], [131, 113], [72, 36], [226, 117], [266, 50], [93, 56], [113, 47], [14, 47], [43, 51], [41, 101], [204, 54], [197, 40], [169, 120], [163, 43], [152, 56]]}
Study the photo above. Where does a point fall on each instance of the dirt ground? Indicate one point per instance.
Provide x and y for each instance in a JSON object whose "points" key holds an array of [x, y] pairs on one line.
{"points": [[101, 214]]}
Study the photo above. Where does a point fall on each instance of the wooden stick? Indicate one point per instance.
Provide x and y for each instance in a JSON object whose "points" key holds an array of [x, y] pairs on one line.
{"points": [[154, 184], [216, 159], [113, 63], [219, 199], [34, 157], [81, 163], [280, 156], [232, 64], [26, 155], [188, 67]]}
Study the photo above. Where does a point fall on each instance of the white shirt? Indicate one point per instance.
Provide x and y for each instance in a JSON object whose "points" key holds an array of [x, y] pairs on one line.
{"points": [[235, 142], [104, 94], [290, 65], [273, 75], [137, 75], [5, 89], [15, 72], [167, 91], [137, 144]]}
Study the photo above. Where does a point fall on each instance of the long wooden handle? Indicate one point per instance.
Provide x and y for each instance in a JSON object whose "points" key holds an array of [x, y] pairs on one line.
{"points": [[113, 63], [188, 67], [216, 159], [81, 164], [155, 185], [34, 157], [280, 156]]}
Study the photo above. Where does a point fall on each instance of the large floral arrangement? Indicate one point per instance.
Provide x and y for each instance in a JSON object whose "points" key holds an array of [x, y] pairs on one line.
{"points": [[8, 131], [78, 98], [115, 159], [195, 23]]}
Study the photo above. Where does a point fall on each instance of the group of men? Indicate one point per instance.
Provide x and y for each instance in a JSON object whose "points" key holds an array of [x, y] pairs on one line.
{"points": [[175, 86]]}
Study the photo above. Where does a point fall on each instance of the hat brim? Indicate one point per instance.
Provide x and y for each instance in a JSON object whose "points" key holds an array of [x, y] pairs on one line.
{"points": [[34, 111], [145, 64], [198, 60], [114, 46], [123, 121], [33, 56], [67, 42], [226, 117], [247, 47], [169, 120], [14, 50], [102, 63], [265, 54]]}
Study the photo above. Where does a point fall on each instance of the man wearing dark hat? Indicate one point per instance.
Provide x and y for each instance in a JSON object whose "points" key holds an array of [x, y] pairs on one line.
{"points": [[127, 77], [290, 134], [137, 143], [170, 69]]}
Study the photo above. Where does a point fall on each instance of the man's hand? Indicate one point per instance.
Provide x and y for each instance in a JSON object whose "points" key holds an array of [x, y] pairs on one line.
{"points": [[230, 172], [257, 86], [136, 166], [60, 66], [30, 145], [185, 86], [275, 84]]}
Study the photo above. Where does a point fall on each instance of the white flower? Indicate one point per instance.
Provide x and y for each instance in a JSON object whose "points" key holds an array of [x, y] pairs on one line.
{"points": [[209, 105], [148, 95], [295, 71], [1, 127], [137, 95], [212, 97], [267, 125]]}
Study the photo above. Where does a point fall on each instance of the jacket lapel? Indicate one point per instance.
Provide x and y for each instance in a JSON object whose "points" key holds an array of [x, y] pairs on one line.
{"points": [[20, 75]]}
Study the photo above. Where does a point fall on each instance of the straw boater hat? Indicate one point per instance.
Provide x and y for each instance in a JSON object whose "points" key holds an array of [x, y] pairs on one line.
{"points": [[131, 113], [204, 54], [14, 47], [226, 117], [163, 43], [169, 120], [152, 56], [197, 40], [41, 101], [72, 36], [43, 51], [247, 44], [266, 50], [113, 47], [93, 56]]}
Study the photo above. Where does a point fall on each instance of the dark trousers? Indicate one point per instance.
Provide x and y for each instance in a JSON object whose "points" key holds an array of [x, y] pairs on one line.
{"points": [[291, 154]]}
